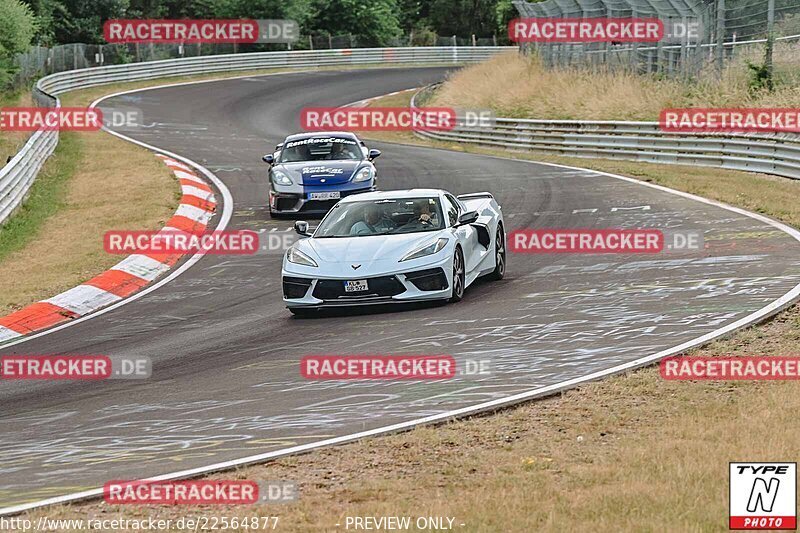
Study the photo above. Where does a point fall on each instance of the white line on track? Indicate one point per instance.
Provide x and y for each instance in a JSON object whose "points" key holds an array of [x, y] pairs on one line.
{"points": [[752, 318]]}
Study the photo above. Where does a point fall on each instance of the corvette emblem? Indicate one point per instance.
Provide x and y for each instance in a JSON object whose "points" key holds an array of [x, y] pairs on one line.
{"points": [[322, 180], [355, 267]]}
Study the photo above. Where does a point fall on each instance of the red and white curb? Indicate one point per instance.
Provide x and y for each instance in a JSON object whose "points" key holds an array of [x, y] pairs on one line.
{"points": [[197, 207]]}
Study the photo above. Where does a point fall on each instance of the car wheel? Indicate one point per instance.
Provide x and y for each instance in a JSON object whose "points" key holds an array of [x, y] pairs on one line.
{"points": [[458, 276], [302, 312], [499, 256]]}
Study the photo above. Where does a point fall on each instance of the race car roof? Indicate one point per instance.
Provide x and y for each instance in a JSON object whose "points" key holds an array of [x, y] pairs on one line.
{"points": [[385, 195]]}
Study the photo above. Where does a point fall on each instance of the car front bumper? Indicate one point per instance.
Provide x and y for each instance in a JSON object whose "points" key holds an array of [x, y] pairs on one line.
{"points": [[292, 202], [432, 282]]}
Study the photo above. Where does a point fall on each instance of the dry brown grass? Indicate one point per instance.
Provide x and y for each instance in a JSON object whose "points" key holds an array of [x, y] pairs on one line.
{"points": [[631, 453], [530, 91], [116, 186], [652, 454]]}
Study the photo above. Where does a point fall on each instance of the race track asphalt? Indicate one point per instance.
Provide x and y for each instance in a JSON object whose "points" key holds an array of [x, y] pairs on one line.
{"points": [[226, 381]]}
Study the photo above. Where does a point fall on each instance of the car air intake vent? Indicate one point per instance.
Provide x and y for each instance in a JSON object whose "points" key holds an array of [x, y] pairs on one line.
{"points": [[295, 287], [332, 289], [432, 279]]}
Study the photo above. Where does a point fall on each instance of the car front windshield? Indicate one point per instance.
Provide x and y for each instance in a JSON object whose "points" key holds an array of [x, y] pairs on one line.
{"points": [[323, 148], [382, 217]]}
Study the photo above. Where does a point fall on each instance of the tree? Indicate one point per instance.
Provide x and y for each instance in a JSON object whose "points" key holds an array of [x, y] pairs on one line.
{"points": [[17, 28], [373, 22], [463, 17], [84, 20]]}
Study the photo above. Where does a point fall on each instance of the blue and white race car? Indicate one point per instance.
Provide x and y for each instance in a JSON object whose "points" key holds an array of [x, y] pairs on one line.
{"points": [[310, 172]]}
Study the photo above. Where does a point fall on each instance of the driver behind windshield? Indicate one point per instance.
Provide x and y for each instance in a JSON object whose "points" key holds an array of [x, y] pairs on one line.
{"points": [[423, 216], [372, 222], [343, 151]]}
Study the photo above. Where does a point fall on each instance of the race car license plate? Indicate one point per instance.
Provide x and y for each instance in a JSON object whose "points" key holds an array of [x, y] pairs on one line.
{"points": [[332, 195], [355, 285]]}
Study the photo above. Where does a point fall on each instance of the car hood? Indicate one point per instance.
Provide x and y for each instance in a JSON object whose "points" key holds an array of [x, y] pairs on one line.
{"points": [[321, 172], [367, 249]]}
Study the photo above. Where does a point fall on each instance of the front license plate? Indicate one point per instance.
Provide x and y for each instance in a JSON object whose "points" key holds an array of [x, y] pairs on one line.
{"points": [[356, 285], [333, 195]]}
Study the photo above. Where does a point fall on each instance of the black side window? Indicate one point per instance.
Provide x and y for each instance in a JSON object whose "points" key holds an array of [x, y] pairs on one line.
{"points": [[452, 209]]}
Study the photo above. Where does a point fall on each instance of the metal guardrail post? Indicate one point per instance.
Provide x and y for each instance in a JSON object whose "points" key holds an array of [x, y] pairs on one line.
{"points": [[634, 141], [18, 175], [720, 36]]}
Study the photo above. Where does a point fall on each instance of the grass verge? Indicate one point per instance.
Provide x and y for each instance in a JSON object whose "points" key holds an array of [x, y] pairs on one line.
{"points": [[94, 183], [11, 141], [630, 453], [530, 90]]}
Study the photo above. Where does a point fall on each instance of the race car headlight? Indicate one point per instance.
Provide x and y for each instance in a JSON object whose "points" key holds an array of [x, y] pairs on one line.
{"points": [[280, 178], [365, 174], [429, 249], [299, 258]]}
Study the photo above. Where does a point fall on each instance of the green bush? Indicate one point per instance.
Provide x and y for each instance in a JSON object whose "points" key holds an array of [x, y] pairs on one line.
{"points": [[17, 28]]}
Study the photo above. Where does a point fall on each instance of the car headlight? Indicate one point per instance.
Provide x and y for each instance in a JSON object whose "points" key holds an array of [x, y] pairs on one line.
{"points": [[280, 178], [365, 174], [429, 249], [299, 258]]}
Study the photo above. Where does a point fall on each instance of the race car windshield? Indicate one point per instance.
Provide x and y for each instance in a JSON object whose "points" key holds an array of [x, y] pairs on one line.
{"points": [[382, 217], [321, 149]]}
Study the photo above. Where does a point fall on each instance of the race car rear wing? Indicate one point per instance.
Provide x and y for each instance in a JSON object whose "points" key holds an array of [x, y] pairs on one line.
{"points": [[474, 195]]}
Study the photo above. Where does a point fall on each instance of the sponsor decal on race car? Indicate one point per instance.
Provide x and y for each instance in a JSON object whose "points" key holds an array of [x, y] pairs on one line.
{"points": [[319, 140], [322, 170]]}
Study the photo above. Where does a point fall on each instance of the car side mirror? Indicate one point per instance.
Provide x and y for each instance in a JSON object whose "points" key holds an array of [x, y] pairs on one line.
{"points": [[373, 154], [301, 228], [467, 218], [268, 159]]}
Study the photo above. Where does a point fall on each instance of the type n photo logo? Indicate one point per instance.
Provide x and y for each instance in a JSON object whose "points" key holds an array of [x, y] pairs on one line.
{"points": [[763, 496]]}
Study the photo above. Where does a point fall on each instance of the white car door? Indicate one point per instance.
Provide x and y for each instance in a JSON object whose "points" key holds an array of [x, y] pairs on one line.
{"points": [[466, 235]]}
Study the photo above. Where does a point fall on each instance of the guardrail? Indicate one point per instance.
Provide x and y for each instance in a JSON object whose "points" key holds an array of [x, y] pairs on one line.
{"points": [[777, 154], [18, 175]]}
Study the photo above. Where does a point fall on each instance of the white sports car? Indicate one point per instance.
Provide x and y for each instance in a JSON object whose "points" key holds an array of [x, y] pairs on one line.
{"points": [[395, 246]]}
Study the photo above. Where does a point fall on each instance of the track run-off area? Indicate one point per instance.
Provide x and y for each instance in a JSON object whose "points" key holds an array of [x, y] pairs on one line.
{"points": [[226, 387]]}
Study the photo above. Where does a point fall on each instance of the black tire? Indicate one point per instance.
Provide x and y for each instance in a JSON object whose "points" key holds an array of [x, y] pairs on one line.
{"points": [[302, 312], [459, 276], [500, 256]]}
